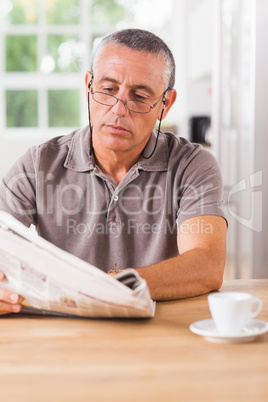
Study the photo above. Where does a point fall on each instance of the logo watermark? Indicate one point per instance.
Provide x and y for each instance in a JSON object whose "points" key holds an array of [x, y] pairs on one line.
{"points": [[67, 202], [252, 189]]}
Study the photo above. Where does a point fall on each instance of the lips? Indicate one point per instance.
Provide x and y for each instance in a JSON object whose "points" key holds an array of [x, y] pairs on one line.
{"points": [[116, 129]]}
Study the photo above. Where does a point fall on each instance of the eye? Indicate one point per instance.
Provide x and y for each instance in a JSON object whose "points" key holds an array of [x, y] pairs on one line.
{"points": [[109, 90], [139, 97]]}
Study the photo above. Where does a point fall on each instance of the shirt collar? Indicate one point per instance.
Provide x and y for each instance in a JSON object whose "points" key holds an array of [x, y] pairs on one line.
{"points": [[79, 159]]}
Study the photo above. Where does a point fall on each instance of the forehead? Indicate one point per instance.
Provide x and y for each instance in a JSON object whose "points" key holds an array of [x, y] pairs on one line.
{"points": [[124, 64]]}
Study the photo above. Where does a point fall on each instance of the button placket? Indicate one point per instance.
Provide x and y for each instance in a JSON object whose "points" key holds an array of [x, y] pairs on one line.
{"points": [[112, 214]]}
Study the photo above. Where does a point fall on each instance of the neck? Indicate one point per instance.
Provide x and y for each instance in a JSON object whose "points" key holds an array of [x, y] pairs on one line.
{"points": [[116, 159], [115, 164]]}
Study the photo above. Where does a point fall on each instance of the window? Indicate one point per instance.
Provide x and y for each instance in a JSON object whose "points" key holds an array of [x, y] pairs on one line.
{"points": [[46, 48]]}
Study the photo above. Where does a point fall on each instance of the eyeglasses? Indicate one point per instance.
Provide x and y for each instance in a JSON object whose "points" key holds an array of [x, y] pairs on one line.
{"points": [[132, 105]]}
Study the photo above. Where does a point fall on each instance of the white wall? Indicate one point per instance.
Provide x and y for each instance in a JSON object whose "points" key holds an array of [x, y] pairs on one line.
{"points": [[259, 162], [199, 26]]}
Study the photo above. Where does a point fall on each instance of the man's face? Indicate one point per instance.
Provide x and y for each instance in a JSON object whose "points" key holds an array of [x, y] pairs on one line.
{"points": [[126, 74]]}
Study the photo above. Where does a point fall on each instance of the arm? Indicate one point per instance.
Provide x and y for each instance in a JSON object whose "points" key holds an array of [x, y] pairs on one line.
{"points": [[18, 189], [198, 268]]}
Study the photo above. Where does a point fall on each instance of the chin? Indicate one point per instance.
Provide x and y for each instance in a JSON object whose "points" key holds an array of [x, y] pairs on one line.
{"points": [[120, 146]]}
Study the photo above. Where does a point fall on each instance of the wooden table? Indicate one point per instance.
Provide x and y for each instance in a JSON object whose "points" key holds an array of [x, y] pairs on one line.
{"points": [[62, 359]]}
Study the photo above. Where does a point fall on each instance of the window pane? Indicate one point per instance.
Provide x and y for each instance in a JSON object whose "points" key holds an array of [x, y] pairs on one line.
{"points": [[66, 52], [106, 12], [19, 11], [64, 108], [62, 11], [21, 108], [21, 53]]}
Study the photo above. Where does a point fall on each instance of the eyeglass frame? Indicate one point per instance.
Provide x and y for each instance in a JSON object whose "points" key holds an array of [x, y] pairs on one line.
{"points": [[128, 100], [152, 107]]}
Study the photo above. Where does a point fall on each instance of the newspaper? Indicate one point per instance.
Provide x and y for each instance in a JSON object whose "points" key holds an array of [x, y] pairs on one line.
{"points": [[56, 282]]}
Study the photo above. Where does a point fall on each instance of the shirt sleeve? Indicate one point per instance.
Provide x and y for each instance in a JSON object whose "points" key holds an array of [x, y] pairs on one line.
{"points": [[201, 189], [18, 189]]}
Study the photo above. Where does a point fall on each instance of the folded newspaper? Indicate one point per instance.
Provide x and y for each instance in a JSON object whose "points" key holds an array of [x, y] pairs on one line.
{"points": [[52, 281]]}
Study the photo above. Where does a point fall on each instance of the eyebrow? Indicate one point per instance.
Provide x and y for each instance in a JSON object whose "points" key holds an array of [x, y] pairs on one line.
{"points": [[137, 86]]}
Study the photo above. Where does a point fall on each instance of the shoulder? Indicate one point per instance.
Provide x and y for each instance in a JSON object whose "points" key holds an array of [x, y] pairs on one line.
{"points": [[62, 141], [57, 148], [182, 152]]}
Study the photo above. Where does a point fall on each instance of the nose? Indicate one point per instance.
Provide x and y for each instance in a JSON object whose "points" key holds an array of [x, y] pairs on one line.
{"points": [[120, 109]]}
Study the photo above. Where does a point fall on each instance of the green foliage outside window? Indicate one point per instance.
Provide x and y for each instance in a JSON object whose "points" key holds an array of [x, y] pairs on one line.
{"points": [[64, 108], [107, 12], [65, 51], [22, 12], [62, 11], [21, 108], [21, 53]]}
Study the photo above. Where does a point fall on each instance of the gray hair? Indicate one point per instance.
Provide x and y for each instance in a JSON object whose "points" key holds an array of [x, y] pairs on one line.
{"points": [[143, 41]]}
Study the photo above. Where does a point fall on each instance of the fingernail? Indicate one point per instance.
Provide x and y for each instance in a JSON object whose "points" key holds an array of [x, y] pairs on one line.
{"points": [[16, 308], [14, 297]]}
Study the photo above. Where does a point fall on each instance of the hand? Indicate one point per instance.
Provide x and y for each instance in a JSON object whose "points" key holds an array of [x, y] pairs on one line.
{"points": [[112, 273], [10, 302]]}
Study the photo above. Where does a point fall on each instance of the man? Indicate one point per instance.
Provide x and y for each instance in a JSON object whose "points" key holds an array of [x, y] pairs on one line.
{"points": [[121, 193]]}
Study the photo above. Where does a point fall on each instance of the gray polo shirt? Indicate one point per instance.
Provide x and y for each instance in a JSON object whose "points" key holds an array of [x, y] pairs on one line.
{"points": [[58, 187]]}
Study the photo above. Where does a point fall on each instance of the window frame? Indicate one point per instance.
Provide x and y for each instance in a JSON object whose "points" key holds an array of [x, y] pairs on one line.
{"points": [[39, 81], [86, 31]]}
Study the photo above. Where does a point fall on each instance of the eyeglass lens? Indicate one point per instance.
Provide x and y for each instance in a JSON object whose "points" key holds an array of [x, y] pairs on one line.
{"points": [[110, 100]]}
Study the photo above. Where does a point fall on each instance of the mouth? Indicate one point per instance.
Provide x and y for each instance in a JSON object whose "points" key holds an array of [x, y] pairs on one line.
{"points": [[116, 129]]}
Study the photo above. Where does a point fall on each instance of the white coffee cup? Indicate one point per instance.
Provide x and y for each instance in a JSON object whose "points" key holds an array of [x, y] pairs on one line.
{"points": [[232, 310]]}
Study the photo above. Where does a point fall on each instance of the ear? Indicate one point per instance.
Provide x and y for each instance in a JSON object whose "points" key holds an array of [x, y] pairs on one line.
{"points": [[88, 78], [170, 99]]}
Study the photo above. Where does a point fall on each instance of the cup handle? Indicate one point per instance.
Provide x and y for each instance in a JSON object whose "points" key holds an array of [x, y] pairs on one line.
{"points": [[258, 302]]}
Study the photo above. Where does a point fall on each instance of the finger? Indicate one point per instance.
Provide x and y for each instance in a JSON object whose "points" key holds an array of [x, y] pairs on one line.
{"points": [[10, 297], [2, 275], [6, 308]]}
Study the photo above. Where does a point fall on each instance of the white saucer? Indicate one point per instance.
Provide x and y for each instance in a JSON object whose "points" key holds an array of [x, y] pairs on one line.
{"points": [[249, 332]]}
